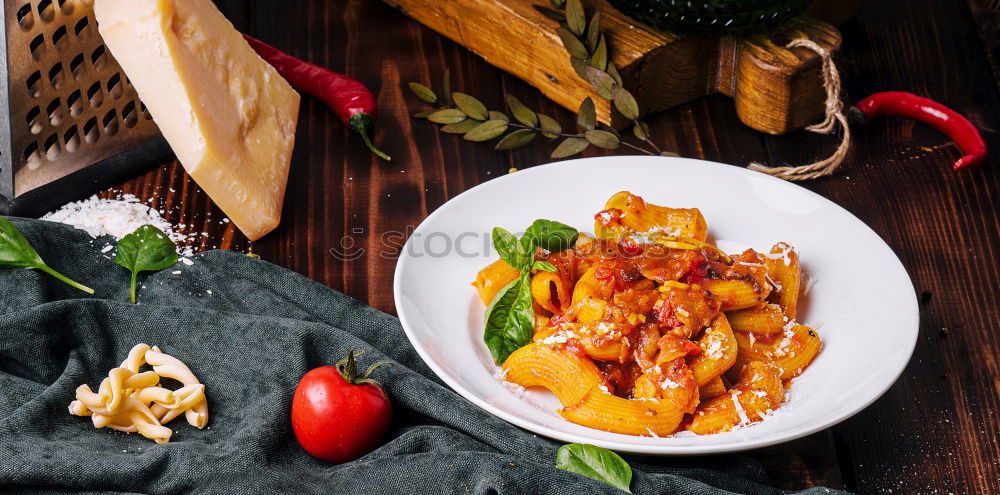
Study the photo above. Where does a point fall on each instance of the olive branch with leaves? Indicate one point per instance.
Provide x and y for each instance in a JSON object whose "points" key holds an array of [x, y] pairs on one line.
{"points": [[460, 113]]}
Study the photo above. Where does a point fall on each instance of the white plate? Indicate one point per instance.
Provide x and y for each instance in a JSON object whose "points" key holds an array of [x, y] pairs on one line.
{"points": [[862, 301]]}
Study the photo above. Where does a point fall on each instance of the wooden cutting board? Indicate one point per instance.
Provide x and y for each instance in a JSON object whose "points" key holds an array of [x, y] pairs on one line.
{"points": [[775, 90]]}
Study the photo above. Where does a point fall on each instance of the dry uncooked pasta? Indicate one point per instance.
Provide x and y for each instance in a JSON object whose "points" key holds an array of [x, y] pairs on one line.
{"points": [[132, 401]]}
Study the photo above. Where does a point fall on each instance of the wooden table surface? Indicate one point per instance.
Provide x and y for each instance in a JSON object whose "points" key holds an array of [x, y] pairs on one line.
{"points": [[937, 430]]}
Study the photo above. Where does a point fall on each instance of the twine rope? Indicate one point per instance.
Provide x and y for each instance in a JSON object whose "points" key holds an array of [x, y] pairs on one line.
{"points": [[834, 114]]}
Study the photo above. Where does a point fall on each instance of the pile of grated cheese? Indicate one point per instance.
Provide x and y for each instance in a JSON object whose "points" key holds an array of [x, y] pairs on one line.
{"points": [[118, 218]]}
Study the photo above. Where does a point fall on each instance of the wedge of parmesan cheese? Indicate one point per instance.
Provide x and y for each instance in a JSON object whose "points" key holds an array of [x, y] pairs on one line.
{"points": [[227, 114]]}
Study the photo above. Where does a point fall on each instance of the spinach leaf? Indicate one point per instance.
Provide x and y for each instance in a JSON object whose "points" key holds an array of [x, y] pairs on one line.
{"points": [[551, 236], [17, 252], [510, 321], [147, 249], [595, 462]]}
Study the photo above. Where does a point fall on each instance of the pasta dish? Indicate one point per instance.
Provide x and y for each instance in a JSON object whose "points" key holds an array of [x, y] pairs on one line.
{"points": [[646, 328]]}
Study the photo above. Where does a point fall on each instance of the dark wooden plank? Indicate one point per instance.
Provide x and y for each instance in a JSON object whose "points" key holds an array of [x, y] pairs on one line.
{"points": [[986, 14], [935, 431]]}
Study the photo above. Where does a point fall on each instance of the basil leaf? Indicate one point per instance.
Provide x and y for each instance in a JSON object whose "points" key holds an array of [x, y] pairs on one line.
{"points": [[595, 462], [527, 243], [510, 321], [17, 252], [543, 266], [147, 249], [510, 250], [551, 236]]}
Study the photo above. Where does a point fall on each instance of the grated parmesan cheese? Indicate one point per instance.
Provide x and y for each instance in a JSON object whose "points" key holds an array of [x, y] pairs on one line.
{"points": [[118, 218], [773, 282], [783, 346], [784, 256], [810, 281], [715, 348], [744, 419], [603, 328], [554, 339], [669, 384]]}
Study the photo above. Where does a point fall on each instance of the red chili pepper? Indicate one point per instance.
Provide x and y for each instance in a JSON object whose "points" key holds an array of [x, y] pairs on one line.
{"points": [[353, 103], [927, 111]]}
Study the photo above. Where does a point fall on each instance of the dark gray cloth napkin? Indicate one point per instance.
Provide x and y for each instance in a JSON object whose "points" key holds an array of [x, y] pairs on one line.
{"points": [[250, 330]]}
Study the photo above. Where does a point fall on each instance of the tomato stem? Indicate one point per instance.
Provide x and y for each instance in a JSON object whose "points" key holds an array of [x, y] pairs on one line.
{"points": [[348, 368]]}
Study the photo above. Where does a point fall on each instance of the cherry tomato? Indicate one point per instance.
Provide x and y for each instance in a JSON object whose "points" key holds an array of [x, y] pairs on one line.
{"points": [[665, 316], [691, 348], [338, 415], [699, 270]]}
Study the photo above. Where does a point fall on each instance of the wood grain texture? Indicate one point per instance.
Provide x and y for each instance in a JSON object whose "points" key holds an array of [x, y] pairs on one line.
{"points": [[986, 15], [937, 430], [776, 90]]}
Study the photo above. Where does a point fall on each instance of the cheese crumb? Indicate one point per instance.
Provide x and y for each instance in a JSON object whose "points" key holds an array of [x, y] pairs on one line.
{"points": [[118, 218], [554, 339], [810, 281], [773, 282], [744, 419], [669, 384], [715, 348], [783, 346], [603, 328]]}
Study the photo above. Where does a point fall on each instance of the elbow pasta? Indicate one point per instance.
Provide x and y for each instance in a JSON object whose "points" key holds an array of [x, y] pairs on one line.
{"points": [[648, 329], [132, 401]]}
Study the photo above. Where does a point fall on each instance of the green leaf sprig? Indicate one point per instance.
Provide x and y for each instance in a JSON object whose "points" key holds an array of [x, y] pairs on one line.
{"points": [[460, 113], [147, 249], [510, 320], [17, 252], [595, 462]]}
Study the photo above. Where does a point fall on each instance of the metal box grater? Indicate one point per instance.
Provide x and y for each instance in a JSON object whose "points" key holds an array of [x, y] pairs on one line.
{"points": [[70, 121]]}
